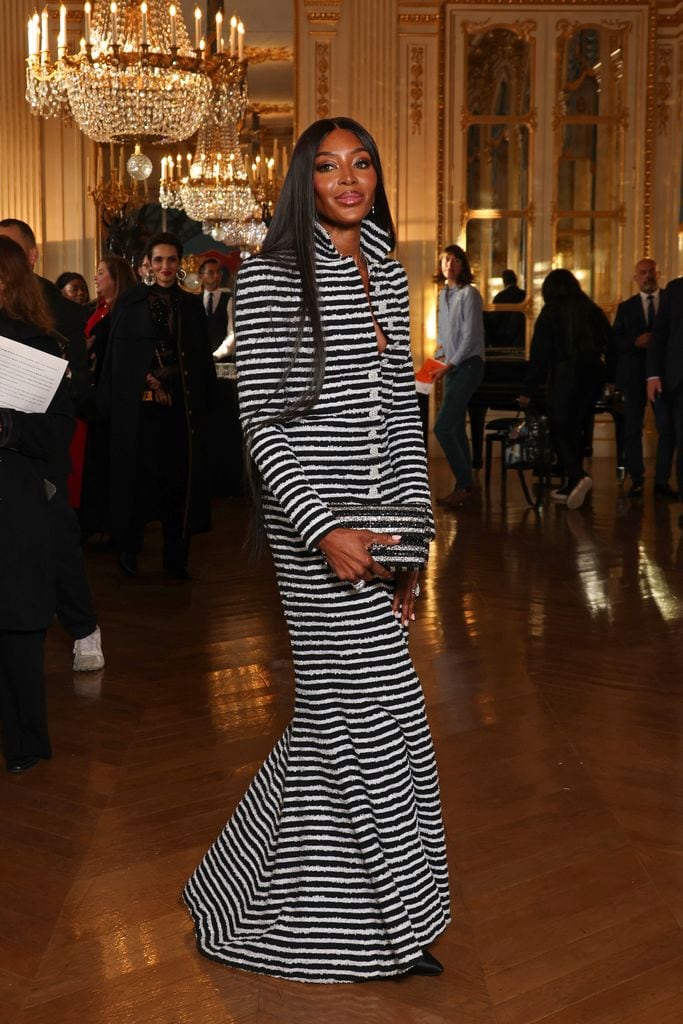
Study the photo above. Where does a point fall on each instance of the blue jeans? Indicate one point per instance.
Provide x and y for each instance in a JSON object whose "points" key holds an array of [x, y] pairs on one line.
{"points": [[459, 386]]}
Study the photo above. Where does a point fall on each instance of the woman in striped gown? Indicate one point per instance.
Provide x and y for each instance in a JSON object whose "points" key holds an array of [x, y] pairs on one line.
{"points": [[332, 867]]}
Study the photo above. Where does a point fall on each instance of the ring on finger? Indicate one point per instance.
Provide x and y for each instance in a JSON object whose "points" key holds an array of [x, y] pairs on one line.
{"points": [[358, 585], [416, 590]]}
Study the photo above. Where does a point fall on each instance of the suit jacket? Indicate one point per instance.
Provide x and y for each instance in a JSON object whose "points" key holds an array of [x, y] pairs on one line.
{"points": [[665, 351], [129, 355], [631, 362], [217, 323]]}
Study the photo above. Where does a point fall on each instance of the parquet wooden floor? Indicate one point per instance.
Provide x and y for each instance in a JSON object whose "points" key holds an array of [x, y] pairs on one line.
{"points": [[550, 651]]}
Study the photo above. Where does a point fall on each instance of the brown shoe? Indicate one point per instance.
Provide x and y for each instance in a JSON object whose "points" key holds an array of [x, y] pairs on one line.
{"points": [[456, 498]]}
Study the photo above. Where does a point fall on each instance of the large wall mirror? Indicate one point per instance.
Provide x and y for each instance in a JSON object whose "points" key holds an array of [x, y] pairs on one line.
{"points": [[544, 162], [590, 119], [498, 125]]}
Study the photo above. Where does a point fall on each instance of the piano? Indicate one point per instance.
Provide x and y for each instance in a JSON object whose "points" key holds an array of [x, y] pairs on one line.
{"points": [[504, 372]]}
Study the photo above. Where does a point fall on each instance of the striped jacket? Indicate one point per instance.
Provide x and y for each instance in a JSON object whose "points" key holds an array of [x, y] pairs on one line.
{"points": [[363, 439]]}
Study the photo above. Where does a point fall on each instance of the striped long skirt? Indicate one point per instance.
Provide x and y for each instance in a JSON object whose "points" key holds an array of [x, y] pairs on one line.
{"points": [[333, 866]]}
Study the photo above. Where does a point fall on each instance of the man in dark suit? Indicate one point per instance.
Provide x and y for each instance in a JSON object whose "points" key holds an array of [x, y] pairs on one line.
{"points": [[217, 306], [664, 365], [506, 328], [632, 332], [75, 608]]}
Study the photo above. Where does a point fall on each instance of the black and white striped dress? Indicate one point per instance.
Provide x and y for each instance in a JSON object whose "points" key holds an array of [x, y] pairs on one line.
{"points": [[332, 867]]}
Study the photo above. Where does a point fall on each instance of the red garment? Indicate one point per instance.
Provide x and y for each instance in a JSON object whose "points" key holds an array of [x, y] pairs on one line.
{"points": [[95, 317]]}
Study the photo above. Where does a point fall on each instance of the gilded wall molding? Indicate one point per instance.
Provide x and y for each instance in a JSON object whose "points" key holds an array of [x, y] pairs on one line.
{"points": [[322, 78], [419, 19], [323, 17], [664, 87], [271, 108], [263, 54], [416, 88]]}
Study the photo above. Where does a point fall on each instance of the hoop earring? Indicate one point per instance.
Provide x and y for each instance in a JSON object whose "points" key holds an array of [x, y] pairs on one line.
{"points": [[149, 279], [180, 275]]}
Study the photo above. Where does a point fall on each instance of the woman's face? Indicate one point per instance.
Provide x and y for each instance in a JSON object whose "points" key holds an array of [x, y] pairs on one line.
{"points": [[105, 285], [165, 263], [344, 180], [77, 291], [451, 267]]}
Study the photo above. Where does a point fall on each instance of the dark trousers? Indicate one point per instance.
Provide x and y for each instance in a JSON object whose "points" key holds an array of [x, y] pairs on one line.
{"points": [[75, 609], [571, 402], [161, 481], [22, 694], [635, 398], [450, 427], [675, 403]]}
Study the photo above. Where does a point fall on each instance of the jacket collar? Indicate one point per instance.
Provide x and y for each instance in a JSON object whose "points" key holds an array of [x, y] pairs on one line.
{"points": [[374, 243]]}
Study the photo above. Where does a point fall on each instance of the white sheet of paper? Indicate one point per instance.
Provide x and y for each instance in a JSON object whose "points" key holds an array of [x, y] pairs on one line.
{"points": [[28, 378]]}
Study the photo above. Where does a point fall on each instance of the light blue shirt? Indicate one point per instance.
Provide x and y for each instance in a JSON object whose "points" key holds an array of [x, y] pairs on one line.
{"points": [[460, 331]]}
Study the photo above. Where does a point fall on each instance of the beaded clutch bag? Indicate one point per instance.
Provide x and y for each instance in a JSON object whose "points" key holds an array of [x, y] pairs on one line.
{"points": [[410, 522]]}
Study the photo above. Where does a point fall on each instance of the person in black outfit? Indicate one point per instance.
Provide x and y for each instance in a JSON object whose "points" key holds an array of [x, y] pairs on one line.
{"points": [[570, 340], [33, 454], [75, 607], [665, 363], [216, 303], [632, 332], [158, 388]]}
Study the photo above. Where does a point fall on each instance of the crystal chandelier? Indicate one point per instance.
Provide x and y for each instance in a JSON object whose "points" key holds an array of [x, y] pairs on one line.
{"points": [[136, 76], [215, 188]]}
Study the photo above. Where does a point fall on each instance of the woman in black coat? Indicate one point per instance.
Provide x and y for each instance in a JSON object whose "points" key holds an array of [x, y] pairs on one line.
{"points": [[33, 452], [568, 350], [158, 388]]}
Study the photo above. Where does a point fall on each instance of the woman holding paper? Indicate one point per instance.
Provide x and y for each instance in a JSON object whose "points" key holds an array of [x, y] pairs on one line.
{"points": [[33, 451], [461, 347]]}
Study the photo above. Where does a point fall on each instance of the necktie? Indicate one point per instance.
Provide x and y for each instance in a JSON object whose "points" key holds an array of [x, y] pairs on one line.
{"points": [[650, 312], [209, 304]]}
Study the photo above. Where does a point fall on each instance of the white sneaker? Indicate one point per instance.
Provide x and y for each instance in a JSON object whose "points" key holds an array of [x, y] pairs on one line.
{"points": [[88, 655], [578, 495]]}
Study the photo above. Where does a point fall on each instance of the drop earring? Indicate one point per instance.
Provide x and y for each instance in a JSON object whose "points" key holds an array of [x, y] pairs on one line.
{"points": [[180, 275], [149, 279]]}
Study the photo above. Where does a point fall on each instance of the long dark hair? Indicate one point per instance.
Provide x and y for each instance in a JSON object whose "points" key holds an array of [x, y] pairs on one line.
{"points": [[583, 326], [290, 239], [21, 297]]}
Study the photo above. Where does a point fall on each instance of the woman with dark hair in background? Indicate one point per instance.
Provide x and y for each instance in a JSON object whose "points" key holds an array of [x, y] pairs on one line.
{"points": [[333, 866], [568, 348], [113, 277], [158, 387], [34, 449], [460, 337], [73, 286]]}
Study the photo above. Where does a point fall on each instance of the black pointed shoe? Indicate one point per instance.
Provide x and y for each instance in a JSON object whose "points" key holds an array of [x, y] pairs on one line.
{"points": [[16, 765], [426, 966], [127, 563]]}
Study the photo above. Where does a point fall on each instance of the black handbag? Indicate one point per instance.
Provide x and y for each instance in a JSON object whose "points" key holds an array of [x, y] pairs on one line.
{"points": [[410, 522], [528, 444]]}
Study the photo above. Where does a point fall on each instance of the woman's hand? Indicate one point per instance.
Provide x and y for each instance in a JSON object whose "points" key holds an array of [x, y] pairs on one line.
{"points": [[405, 595], [346, 553], [161, 395], [441, 371]]}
